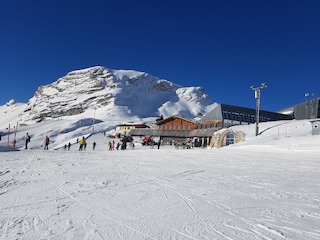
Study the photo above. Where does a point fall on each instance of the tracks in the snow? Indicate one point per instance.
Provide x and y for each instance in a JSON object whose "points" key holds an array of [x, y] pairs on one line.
{"points": [[73, 196]]}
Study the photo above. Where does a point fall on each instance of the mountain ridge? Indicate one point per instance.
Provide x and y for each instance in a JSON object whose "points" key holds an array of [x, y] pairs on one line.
{"points": [[105, 92]]}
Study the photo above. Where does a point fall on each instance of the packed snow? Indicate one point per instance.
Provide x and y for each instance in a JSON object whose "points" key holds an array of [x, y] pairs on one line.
{"points": [[266, 187]]}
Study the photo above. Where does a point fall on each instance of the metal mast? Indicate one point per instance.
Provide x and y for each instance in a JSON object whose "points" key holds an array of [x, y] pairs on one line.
{"points": [[257, 97]]}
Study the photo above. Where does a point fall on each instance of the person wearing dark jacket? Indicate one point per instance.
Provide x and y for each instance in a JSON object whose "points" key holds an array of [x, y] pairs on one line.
{"points": [[27, 140], [46, 143]]}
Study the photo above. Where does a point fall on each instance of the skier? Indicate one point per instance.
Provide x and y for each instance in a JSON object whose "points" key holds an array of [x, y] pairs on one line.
{"points": [[118, 145], [94, 145], [46, 143], [27, 140], [110, 145], [82, 143]]}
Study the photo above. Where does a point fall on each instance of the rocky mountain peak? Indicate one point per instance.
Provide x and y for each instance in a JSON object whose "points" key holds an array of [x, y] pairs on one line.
{"points": [[139, 93]]}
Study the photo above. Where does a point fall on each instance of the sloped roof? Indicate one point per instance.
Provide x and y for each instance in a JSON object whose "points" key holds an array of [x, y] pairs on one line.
{"points": [[216, 113], [136, 125]]}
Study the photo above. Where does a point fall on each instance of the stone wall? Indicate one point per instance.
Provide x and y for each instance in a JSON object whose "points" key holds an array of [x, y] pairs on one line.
{"points": [[219, 138]]}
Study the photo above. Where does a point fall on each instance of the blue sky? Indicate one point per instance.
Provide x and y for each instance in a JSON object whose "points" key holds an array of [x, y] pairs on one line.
{"points": [[224, 46]]}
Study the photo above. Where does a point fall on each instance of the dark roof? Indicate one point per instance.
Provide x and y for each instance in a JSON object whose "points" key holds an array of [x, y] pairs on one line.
{"points": [[251, 111], [216, 113], [136, 125]]}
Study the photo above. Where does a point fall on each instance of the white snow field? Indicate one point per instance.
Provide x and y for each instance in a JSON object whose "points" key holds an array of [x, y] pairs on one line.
{"points": [[267, 187]]}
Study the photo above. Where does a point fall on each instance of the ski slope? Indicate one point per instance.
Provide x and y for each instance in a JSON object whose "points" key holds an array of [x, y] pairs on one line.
{"points": [[264, 188]]}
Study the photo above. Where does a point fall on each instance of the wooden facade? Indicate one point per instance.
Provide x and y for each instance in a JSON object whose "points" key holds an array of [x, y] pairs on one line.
{"points": [[179, 128], [176, 123], [217, 124]]}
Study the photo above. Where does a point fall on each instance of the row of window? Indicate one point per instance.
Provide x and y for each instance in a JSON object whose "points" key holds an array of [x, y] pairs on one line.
{"points": [[174, 127], [126, 128], [210, 125], [242, 117]]}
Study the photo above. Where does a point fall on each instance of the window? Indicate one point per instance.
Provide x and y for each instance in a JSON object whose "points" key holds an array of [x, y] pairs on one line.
{"points": [[229, 139]]}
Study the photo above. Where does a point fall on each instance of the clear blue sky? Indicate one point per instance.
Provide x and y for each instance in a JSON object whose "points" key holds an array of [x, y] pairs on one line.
{"points": [[224, 46]]}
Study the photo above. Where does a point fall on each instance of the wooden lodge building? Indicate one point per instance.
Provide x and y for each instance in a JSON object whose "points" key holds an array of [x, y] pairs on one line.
{"points": [[222, 116]]}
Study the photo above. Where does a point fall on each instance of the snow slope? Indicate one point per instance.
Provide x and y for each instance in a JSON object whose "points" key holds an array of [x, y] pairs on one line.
{"points": [[264, 188]]}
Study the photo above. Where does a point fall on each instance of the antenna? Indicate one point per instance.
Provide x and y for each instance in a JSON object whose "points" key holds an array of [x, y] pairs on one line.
{"points": [[257, 97]]}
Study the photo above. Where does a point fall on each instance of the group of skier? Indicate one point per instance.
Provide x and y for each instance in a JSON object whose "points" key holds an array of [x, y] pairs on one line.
{"points": [[83, 144], [67, 146], [27, 140]]}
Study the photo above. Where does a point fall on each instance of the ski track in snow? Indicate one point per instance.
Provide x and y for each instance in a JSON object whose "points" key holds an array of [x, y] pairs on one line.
{"points": [[130, 195]]}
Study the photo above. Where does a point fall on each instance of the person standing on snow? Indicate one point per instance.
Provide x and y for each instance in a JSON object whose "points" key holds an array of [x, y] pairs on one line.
{"points": [[82, 143], [46, 143], [110, 145], [27, 140]]}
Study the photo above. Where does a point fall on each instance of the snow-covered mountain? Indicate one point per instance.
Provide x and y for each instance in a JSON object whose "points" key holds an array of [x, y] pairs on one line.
{"points": [[136, 93], [104, 98]]}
